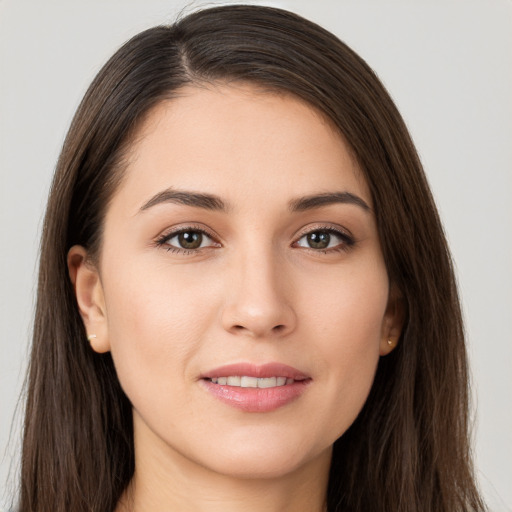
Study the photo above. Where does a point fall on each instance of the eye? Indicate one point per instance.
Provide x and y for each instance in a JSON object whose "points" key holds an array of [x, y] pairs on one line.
{"points": [[324, 239], [188, 239]]}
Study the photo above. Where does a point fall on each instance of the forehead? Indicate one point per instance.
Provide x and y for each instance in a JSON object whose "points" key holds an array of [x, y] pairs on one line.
{"points": [[239, 141]]}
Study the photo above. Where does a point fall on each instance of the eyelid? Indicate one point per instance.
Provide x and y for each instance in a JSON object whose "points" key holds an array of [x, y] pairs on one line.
{"points": [[348, 239], [170, 233], [335, 228], [344, 234]]}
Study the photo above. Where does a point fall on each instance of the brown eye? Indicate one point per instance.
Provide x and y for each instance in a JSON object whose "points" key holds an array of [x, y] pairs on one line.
{"points": [[187, 240], [325, 239], [318, 239], [190, 239]]}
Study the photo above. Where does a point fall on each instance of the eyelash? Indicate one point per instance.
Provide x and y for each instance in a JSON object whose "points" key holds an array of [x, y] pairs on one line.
{"points": [[164, 239], [347, 241]]}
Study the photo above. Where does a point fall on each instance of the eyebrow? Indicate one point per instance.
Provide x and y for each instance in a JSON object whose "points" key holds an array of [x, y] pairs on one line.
{"points": [[318, 200], [198, 200], [215, 203]]}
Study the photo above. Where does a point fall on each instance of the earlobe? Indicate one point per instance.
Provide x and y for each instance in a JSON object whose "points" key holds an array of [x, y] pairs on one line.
{"points": [[393, 323], [90, 299], [387, 346]]}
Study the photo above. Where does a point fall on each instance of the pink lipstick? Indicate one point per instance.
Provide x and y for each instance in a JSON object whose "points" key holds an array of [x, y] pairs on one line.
{"points": [[255, 388]]}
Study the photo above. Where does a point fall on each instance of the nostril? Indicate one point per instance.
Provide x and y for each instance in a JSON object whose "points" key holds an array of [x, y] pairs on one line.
{"points": [[277, 329]]}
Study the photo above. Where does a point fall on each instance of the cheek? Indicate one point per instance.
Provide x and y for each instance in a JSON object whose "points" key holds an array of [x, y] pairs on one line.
{"points": [[154, 328], [346, 320], [346, 308]]}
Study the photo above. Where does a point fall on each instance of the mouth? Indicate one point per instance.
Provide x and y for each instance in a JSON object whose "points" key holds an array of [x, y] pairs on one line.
{"points": [[256, 388], [245, 381]]}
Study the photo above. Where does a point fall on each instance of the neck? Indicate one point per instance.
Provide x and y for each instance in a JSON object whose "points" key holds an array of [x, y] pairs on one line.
{"points": [[169, 482]]}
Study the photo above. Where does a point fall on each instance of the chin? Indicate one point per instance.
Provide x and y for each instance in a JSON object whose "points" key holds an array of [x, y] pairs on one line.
{"points": [[259, 469], [260, 460]]}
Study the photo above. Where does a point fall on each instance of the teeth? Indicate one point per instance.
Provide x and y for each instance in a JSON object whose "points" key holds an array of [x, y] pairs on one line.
{"points": [[270, 382], [252, 382], [234, 381], [248, 382]]}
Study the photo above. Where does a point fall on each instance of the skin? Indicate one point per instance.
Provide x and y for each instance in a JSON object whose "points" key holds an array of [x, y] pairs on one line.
{"points": [[256, 291]]}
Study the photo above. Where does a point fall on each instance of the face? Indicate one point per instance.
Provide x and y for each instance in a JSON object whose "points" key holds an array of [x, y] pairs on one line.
{"points": [[241, 287]]}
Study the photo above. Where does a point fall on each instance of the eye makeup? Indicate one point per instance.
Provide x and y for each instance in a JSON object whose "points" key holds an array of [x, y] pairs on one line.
{"points": [[189, 240], [192, 239]]}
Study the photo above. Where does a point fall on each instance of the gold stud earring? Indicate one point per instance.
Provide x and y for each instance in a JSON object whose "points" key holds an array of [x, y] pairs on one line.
{"points": [[391, 342], [91, 337]]}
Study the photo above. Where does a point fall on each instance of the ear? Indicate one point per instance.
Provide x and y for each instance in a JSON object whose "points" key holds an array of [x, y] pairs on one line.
{"points": [[89, 295], [393, 322]]}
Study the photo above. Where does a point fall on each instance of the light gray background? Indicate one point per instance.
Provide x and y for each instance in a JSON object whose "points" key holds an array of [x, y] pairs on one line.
{"points": [[447, 64]]}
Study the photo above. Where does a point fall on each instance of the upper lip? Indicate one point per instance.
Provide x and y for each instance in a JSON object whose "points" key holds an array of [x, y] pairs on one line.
{"points": [[256, 370]]}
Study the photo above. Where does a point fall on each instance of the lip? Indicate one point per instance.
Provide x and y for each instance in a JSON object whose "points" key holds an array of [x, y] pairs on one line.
{"points": [[254, 370], [256, 399]]}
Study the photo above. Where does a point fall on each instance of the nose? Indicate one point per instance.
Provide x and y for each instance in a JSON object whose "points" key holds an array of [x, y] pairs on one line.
{"points": [[258, 298]]}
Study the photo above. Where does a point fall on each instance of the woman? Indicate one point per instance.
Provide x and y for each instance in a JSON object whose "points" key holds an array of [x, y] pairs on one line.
{"points": [[245, 296]]}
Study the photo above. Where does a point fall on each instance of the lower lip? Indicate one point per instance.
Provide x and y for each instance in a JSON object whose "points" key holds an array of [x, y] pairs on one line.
{"points": [[257, 399]]}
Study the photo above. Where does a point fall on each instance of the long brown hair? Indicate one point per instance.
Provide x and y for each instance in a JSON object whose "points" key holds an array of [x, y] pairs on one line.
{"points": [[408, 450]]}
